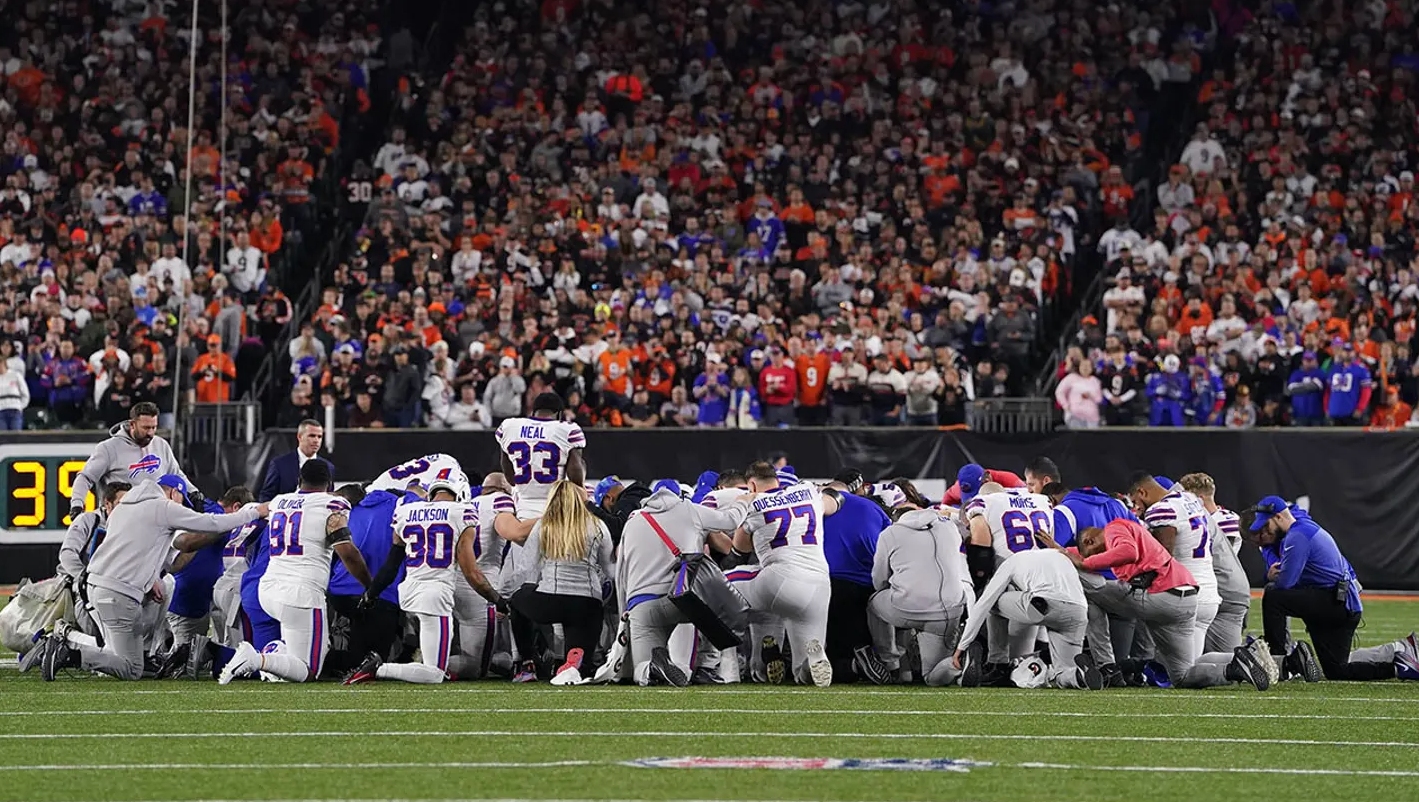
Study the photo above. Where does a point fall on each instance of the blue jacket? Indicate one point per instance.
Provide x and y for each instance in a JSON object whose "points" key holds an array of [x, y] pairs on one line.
{"points": [[192, 586], [372, 530], [283, 475], [1085, 508], [1307, 391], [850, 539], [1310, 558]]}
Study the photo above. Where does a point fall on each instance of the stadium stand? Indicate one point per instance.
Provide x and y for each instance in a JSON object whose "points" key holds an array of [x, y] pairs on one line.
{"points": [[1274, 284]]}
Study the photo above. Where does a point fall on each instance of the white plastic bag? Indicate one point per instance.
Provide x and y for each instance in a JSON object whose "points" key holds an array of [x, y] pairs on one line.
{"points": [[34, 607]]}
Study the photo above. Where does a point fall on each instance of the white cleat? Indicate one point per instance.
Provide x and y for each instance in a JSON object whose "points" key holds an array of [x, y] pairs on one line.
{"points": [[244, 663], [818, 664]]}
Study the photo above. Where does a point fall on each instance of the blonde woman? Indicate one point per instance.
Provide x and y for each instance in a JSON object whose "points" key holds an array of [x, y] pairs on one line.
{"points": [[571, 552]]}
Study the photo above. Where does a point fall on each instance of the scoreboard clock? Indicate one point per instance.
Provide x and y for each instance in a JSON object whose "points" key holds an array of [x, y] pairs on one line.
{"points": [[39, 480]]}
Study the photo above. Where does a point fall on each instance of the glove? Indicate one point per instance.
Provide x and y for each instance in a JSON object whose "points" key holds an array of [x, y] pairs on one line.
{"points": [[75, 512], [502, 606], [199, 501], [366, 601]]}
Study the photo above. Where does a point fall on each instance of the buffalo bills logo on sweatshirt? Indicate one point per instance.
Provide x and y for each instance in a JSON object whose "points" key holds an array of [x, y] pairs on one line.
{"points": [[150, 464]]}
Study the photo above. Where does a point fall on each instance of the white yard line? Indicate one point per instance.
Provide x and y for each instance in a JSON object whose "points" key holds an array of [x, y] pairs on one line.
{"points": [[885, 736], [686, 711], [1214, 770], [717, 691]]}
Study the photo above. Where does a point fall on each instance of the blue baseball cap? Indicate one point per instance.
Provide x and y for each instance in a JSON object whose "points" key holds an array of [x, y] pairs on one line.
{"points": [[970, 478], [1266, 509], [603, 487], [175, 482], [1165, 482], [666, 484]]}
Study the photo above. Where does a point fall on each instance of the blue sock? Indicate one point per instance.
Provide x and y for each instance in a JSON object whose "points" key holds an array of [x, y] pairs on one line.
{"points": [[220, 660]]}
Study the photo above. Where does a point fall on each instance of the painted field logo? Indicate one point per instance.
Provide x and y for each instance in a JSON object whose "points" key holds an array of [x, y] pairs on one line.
{"points": [[806, 763]]}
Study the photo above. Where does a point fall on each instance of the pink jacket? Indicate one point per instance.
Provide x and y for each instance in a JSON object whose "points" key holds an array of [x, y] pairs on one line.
{"points": [[1080, 396]]}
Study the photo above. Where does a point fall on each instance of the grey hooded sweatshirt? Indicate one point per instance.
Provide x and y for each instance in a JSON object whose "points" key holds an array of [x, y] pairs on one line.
{"points": [[119, 459], [139, 539], [74, 551], [646, 567], [919, 563]]}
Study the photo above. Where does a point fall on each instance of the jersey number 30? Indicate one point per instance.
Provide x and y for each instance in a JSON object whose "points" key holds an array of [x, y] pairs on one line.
{"points": [[785, 520], [432, 547], [549, 464]]}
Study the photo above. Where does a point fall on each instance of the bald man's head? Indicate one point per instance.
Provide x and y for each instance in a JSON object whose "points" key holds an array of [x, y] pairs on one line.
{"points": [[990, 488], [496, 481]]}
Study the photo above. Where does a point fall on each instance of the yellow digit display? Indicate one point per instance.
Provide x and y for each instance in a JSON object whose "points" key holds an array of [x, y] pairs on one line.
{"points": [[67, 471], [34, 490]]}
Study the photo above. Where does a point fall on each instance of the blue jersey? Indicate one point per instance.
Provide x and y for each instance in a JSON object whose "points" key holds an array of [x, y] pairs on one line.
{"points": [[1307, 391], [850, 538], [1085, 508], [372, 532], [192, 586], [1348, 385]]}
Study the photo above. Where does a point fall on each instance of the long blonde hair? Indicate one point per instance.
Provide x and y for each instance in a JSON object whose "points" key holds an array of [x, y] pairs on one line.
{"points": [[566, 524]]}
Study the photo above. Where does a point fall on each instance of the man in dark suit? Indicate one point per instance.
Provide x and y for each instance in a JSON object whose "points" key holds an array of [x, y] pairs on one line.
{"points": [[283, 474]]}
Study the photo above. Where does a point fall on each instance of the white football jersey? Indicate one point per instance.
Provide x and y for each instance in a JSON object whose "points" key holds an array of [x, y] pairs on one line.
{"points": [[234, 552], [1013, 517], [538, 450], [488, 547], [1229, 526], [787, 527], [430, 531], [888, 493], [723, 497], [300, 555], [422, 470], [1184, 512]]}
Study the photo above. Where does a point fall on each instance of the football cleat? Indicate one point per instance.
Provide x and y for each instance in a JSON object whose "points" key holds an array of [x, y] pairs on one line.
{"points": [[819, 666], [774, 668], [664, 671], [1089, 675], [244, 663], [526, 672], [366, 671], [870, 666], [199, 656], [175, 662], [1113, 676], [706, 676], [1268, 663], [1302, 662], [56, 656], [31, 658], [972, 666], [569, 673], [1405, 668], [1249, 664], [1410, 646]]}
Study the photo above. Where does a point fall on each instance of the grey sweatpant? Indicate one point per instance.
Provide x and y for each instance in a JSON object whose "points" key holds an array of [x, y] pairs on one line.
{"points": [[1064, 623], [1170, 621], [1225, 633], [119, 619], [936, 637], [651, 623]]}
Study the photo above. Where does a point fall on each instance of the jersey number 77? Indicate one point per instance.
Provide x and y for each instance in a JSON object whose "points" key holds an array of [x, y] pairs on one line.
{"points": [[785, 519]]}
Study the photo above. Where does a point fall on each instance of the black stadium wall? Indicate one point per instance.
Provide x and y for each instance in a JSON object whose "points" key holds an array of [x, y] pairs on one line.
{"points": [[1362, 486]]}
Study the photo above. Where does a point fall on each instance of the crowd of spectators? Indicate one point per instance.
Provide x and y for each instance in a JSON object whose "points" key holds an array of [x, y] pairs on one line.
{"points": [[102, 251], [1276, 285], [736, 214]]}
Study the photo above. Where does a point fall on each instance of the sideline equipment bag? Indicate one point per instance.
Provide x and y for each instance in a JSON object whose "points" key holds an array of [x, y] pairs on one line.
{"points": [[702, 593]]}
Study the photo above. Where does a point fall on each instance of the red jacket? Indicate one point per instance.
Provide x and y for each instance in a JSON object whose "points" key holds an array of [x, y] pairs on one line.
{"points": [[1005, 479], [778, 386]]}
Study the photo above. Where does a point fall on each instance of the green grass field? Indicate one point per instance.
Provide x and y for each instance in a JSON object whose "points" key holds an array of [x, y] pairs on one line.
{"points": [[95, 739]]}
